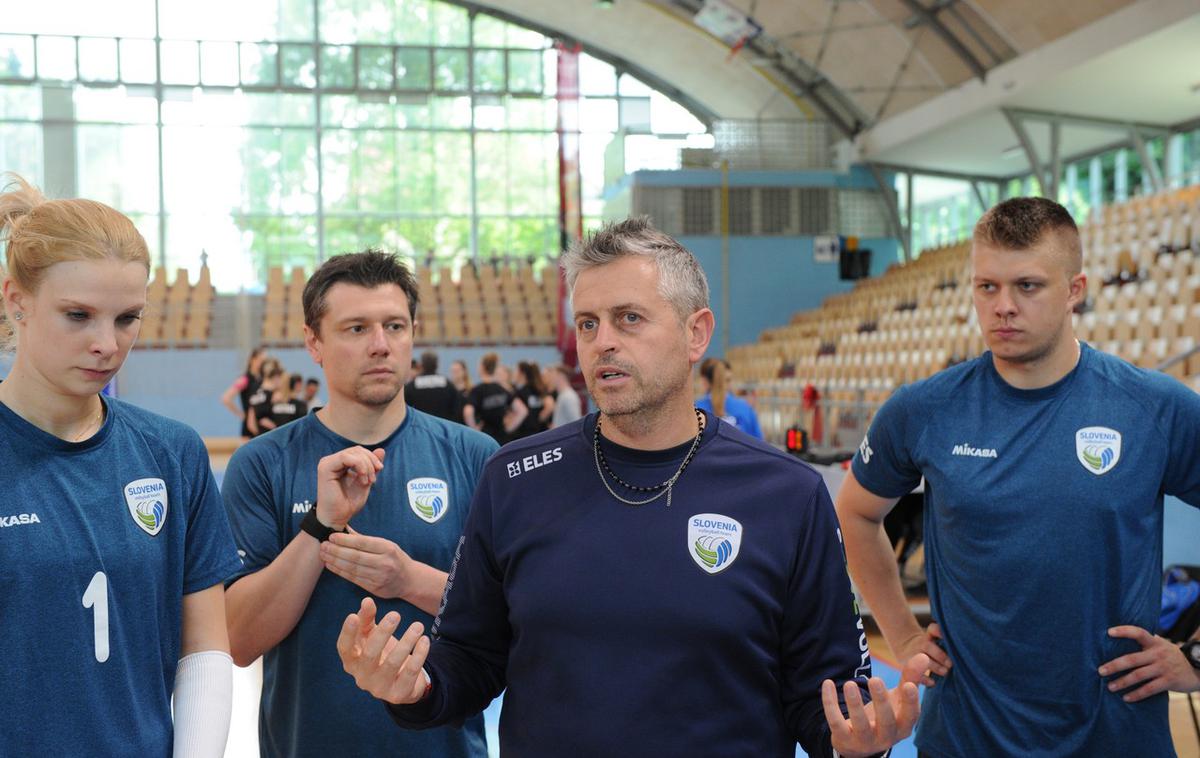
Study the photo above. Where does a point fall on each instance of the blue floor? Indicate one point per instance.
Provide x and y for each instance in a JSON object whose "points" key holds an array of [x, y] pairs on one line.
{"points": [[890, 676]]}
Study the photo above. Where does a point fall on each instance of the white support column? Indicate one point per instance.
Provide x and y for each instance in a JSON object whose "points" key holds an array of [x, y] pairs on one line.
{"points": [[59, 152]]}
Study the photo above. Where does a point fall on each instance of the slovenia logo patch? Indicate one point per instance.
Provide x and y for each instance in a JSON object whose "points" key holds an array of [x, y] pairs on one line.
{"points": [[713, 541], [147, 501], [429, 498], [1098, 448]]}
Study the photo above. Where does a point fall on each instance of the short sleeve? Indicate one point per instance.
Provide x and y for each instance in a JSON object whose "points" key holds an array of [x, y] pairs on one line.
{"points": [[1182, 477], [209, 554], [248, 499], [477, 451], [884, 461]]}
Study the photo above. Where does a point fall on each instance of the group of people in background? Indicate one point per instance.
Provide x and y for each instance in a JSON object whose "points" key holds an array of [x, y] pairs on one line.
{"points": [[268, 396], [506, 405]]}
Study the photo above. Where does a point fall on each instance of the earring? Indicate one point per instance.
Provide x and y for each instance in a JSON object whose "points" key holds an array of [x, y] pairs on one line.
{"points": [[18, 316]]}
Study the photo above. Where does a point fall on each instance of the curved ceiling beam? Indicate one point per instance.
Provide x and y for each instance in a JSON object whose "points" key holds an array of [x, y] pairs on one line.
{"points": [[808, 82], [928, 17], [623, 65]]}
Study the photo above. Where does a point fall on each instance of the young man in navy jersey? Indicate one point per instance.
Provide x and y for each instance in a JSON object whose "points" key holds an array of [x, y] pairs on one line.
{"points": [[647, 581], [1045, 464], [365, 494]]}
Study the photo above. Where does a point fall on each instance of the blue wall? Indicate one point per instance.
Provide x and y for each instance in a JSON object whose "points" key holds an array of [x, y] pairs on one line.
{"points": [[770, 278]]}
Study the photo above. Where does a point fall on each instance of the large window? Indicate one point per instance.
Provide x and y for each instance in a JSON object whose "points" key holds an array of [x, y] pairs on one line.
{"points": [[944, 211], [261, 134]]}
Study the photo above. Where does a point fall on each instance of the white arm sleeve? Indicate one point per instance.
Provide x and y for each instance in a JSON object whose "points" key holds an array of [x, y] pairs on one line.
{"points": [[203, 704]]}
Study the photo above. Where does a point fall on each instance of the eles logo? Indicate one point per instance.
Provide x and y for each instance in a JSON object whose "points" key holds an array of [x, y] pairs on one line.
{"points": [[537, 460], [864, 450]]}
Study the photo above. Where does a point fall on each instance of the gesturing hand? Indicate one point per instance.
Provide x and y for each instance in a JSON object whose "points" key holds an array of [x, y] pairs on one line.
{"points": [[1159, 666], [387, 667], [344, 480], [377, 565], [876, 726], [926, 642]]}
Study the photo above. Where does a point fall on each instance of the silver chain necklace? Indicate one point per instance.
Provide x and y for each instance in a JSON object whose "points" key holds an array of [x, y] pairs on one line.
{"points": [[665, 488]]}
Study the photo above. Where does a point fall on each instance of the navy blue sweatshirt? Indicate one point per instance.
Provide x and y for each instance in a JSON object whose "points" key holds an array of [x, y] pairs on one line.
{"points": [[705, 628]]}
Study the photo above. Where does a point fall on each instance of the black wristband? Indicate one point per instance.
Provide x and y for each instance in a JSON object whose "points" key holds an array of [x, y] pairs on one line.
{"points": [[313, 526]]}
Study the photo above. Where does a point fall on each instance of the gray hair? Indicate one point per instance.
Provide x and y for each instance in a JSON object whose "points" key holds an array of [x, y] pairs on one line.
{"points": [[681, 281]]}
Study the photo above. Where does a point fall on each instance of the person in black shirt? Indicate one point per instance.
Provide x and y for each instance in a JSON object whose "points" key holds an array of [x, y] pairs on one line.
{"points": [[244, 388], [433, 393], [537, 399], [311, 388], [289, 406], [460, 377], [258, 417], [491, 408]]}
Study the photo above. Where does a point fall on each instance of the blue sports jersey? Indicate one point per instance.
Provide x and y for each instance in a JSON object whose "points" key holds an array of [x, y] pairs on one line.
{"points": [[1043, 528], [738, 412], [704, 628], [99, 542], [310, 705]]}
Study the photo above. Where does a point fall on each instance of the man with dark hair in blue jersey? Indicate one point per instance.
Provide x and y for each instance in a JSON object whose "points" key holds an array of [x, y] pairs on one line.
{"points": [[648, 581], [364, 494], [1045, 464]]}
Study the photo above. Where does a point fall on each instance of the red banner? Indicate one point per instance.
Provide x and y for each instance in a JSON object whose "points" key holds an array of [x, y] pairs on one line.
{"points": [[570, 194]]}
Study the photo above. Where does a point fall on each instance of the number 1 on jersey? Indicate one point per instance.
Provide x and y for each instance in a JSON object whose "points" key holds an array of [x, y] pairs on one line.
{"points": [[96, 596]]}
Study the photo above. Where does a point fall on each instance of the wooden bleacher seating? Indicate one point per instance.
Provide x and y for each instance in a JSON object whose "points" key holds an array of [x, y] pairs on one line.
{"points": [[178, 314], [494, 304], [917, 318], [199, 312], [274, 307]]}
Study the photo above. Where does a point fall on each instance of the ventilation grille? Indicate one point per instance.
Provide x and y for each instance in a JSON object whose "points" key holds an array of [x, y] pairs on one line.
{"points": [[861, 213], [776, 211], [664, 206], [741, 211], [763, 211], [699, 212], [816, 210]]}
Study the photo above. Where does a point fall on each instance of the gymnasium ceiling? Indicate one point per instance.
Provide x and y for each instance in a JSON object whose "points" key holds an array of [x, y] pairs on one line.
{"points": [[913, 82]]}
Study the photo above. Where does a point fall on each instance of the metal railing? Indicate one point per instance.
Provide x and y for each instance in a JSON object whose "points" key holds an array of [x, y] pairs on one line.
{"points": [[842, 423], [1175, 360]]}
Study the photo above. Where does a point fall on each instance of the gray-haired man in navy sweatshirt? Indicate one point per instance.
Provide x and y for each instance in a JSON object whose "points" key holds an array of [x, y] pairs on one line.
{"points": [[648, 580]]}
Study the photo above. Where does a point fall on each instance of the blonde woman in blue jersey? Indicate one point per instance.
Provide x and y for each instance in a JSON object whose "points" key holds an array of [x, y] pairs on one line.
{"points": [[112, 536]]}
